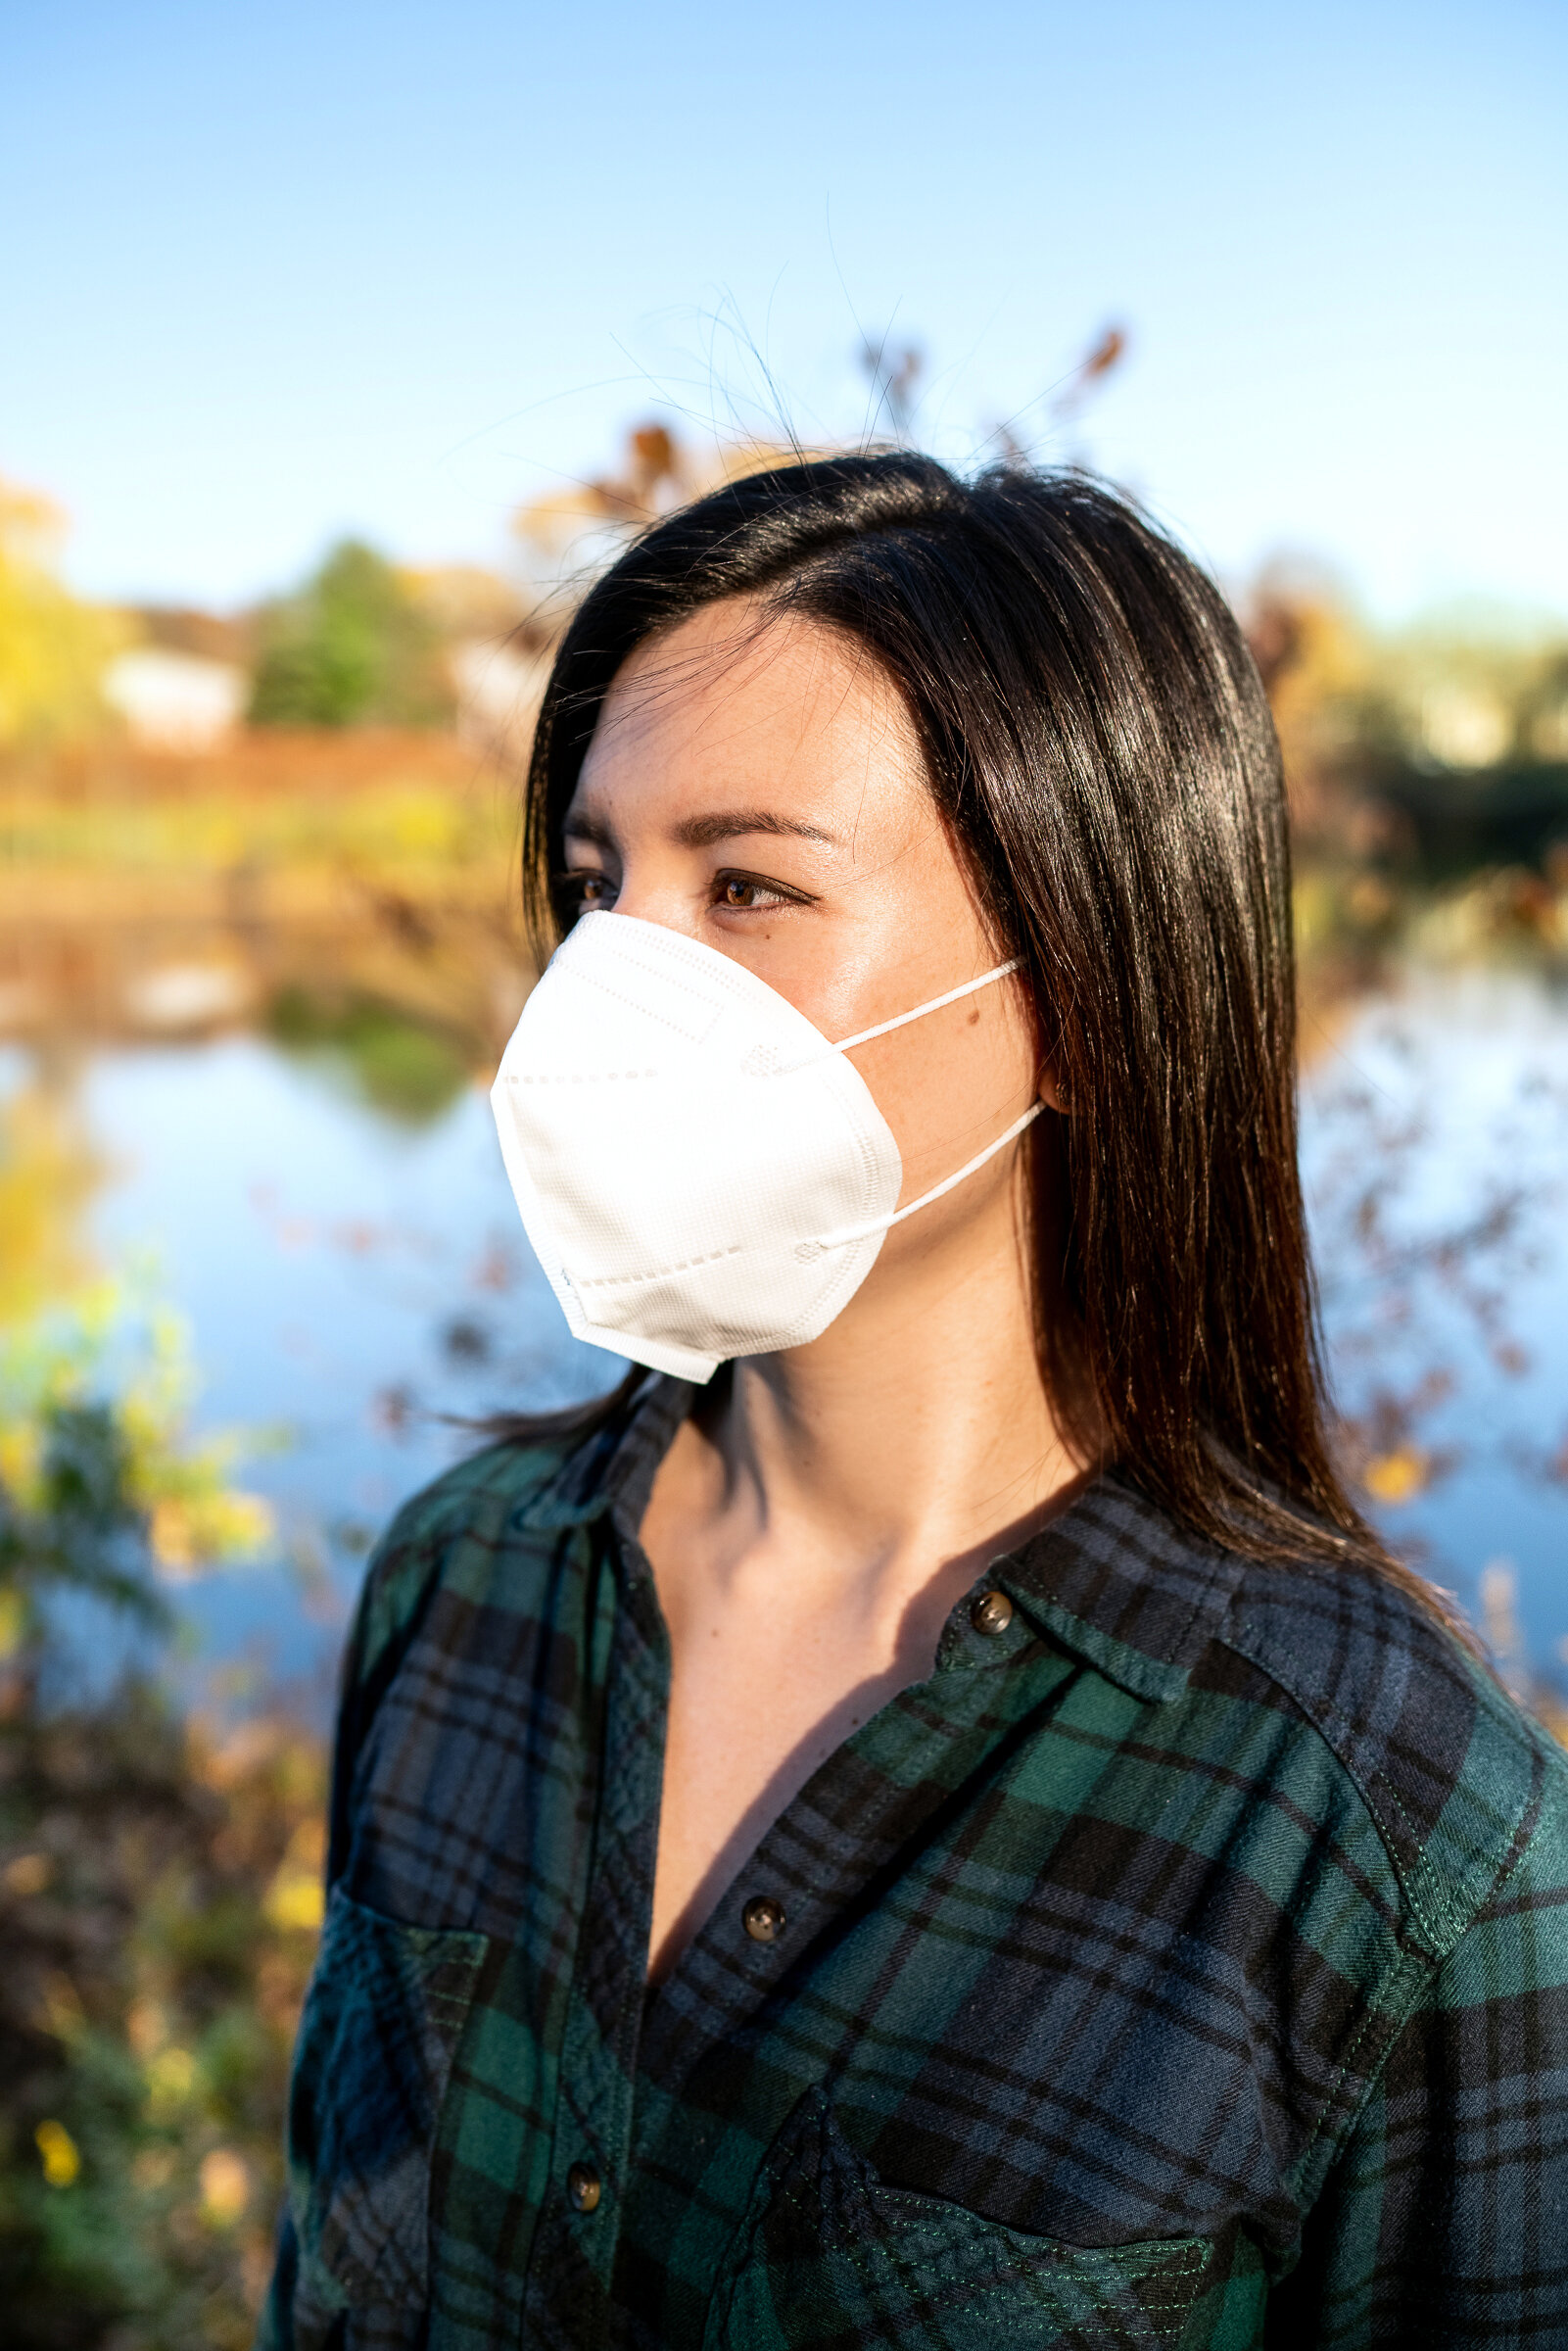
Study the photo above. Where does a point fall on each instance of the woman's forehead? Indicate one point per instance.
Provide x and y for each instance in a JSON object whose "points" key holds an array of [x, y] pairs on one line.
{"points": [[775, 709]]}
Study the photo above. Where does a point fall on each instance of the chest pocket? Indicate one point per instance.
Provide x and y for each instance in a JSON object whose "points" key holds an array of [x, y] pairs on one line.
{"points": [[829, 2259], [383, 2017]]}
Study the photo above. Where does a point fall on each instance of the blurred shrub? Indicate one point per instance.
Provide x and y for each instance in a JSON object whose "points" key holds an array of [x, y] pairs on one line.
{"points": [[53, 650], [356, 646], [160, 1883], [160, 1902]]}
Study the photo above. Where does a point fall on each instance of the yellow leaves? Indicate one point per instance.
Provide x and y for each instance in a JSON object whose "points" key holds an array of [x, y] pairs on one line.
{"points": [[21, 1459], [46, 1358], [53, 650], [57, 1357], [48, 1174], [171, 2081], [425, 826], [190, 1531], [173, 1536], [1397, 1476], [146, 2026], [296, 1903], [13, 1622], [59, 2154], [295, 1899], [224, 2180], [28, 1874]]}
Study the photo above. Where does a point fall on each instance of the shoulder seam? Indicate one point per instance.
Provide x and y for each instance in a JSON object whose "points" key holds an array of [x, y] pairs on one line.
{"points": [[1525, 1831], [423, 1529], [1439, 1935]]}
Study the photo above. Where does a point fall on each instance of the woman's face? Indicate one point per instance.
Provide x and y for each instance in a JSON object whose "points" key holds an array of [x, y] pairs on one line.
{"points": [[762, 788]]}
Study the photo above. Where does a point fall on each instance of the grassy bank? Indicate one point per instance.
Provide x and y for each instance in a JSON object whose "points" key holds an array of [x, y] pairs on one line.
{"points": [[331, 881], [147, 894]]}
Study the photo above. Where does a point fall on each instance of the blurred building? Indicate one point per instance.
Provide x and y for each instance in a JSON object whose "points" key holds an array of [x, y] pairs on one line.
{"points": [[185, 687], [500, 687]]}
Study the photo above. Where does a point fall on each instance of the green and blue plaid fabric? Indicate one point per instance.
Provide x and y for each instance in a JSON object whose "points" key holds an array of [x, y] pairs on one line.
{"points": [[1184, 1962]]}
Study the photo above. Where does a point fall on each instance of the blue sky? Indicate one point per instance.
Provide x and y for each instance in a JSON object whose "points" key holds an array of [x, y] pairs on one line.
{"points": [[274, 273]]}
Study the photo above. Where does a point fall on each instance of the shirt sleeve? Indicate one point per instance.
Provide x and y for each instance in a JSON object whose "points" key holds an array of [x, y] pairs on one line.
{"points": [[1443, 2223], [402, 1573], [374, 1640]]}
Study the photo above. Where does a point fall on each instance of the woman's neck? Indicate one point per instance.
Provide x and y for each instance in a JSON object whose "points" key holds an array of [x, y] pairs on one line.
{"points": [[913, 1433], [810, 1528]]}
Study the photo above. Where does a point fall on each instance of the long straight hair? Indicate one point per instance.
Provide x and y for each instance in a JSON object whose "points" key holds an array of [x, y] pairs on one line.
{"points": [[1099, 744]]}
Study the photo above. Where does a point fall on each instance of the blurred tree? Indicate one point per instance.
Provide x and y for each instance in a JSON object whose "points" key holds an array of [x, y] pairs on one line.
{"points": [[53, 650], [570, 536], [1430, 752], [354, 646], [893, 376]]}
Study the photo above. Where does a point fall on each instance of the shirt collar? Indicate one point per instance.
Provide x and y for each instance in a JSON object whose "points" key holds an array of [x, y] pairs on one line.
{"points": [[1117, 1581], [611, 1468], [1113, 1579]]}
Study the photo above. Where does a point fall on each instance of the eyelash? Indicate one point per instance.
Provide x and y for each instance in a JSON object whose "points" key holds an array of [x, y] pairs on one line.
{"points": [[776, 895], [573, 889]]}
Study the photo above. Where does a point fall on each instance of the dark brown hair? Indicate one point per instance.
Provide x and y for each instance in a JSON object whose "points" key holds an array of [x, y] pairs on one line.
{"points": [[1099, 742]]}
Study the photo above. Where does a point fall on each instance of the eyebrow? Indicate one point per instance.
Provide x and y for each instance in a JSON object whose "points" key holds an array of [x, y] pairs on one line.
{"points": [[701, 832]]}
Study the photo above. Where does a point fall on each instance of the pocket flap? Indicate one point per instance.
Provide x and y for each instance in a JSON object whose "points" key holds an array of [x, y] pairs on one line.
{"points": [[831, 2259]]}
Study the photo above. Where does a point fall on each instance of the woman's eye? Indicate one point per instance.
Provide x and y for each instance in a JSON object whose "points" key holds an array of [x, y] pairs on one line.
{"points": [[584, 892], [743, 893]]}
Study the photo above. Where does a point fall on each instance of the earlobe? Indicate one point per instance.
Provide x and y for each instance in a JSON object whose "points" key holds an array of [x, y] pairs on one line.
{"points": [[1052, 1092]]}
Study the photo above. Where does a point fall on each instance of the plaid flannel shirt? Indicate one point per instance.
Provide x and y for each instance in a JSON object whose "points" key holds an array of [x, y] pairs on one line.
{"points": [[1183, 1962]]}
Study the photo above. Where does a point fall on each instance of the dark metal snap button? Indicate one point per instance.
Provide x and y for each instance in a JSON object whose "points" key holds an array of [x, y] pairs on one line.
{"points": [[583, 2187], [763, 1918], [992, 1612]]}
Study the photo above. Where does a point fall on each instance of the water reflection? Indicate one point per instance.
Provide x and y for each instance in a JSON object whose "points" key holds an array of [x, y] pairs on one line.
{"points": [[1435, 1151], [326, 1204], [352, 1276]]}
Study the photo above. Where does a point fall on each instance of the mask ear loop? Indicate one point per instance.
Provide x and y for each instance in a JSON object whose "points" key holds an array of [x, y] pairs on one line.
{"points": [[954, 995], [762, 1061], [901, 1020], [862, 1233]]}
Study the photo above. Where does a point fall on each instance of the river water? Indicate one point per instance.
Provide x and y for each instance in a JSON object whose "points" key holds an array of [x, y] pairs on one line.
{"points": [[356, 1283]]}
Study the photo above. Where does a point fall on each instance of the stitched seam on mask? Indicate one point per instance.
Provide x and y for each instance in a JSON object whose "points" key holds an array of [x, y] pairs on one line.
{"points": [[621, 1282]]}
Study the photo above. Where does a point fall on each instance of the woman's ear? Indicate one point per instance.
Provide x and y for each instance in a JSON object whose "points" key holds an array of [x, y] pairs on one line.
{"points": [[1052, 1091]]}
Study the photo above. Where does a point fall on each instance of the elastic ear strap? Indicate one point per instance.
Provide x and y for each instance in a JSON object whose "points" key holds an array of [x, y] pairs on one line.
{"points": [[859, 1232], [901, 1020]]}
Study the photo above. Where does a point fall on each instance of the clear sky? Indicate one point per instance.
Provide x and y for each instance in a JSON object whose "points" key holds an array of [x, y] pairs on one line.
{"points": [[277, 271]]}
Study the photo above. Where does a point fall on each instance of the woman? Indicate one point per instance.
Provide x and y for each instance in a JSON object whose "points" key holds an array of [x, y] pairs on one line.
{"points": [[928, 1817]]}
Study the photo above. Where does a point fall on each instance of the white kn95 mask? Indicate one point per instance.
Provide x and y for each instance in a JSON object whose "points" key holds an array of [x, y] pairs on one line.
{"points": [[702, 1173]]}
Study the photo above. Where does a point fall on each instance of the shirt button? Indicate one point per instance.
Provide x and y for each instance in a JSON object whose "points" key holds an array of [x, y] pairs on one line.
{"points": [[992, 1612], [583, 2187], [763, 1918]]}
